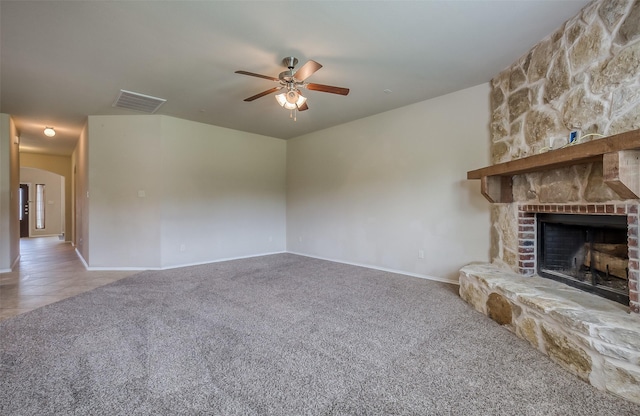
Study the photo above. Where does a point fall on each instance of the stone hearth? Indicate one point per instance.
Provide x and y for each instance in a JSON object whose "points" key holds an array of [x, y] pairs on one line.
{"points": [[592, 337]]}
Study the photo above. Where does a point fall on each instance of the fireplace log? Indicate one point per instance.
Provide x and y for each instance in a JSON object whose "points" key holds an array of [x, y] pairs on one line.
{"points": [[611, 256], [617, 250]]}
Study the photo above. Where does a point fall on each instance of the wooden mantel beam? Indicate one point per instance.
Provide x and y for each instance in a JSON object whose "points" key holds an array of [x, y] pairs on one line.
{"points": [[568, 156], [621, 171], [497, 188], [619, 154]]}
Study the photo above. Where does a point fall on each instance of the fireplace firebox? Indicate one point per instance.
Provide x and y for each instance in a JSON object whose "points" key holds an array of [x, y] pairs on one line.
{"points": [[589, 252]]}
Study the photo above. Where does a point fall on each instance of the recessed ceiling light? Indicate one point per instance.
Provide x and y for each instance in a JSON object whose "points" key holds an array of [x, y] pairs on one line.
{"points": [[49, 132]]}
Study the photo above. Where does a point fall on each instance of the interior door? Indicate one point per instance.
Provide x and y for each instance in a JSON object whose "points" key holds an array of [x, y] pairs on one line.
{"points": [[24, 210]]}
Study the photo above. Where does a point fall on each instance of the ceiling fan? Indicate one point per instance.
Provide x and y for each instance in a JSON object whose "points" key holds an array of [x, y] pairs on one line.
{"points": [[291, 82]]}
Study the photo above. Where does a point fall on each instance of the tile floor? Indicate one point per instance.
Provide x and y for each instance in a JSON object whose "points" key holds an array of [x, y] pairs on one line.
{"points": [[49, 270]]}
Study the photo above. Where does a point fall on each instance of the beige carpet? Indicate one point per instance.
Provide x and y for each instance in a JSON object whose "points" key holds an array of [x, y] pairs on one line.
{"points": [[278, 335]]}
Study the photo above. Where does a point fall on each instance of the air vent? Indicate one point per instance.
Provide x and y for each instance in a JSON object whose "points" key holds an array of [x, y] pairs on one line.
{"points": [[138, 102]]}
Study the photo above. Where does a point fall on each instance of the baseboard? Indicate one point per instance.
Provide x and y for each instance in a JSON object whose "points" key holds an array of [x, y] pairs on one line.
{"points": [[84, 263], [384, 269], [91, 268], [368, 266], [15, 262], [121, 269], [13, 265], [221, 260]]}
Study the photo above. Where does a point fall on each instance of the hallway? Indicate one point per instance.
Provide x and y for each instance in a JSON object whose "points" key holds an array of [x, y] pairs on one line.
{"points": [[48, 271]]}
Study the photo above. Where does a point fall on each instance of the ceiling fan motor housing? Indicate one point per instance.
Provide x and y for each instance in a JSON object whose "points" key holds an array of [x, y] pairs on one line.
{"points": [[290, 62]]}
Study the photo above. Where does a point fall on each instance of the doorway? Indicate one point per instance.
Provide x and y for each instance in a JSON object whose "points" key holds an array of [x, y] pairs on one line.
{"points": [[47, 207], [24, 210]]}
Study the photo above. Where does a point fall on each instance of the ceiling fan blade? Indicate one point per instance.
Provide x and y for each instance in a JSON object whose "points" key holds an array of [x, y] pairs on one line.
{"points": [[328, 88], [307, 70], [263, 93], [303, 107], [252, 74]]}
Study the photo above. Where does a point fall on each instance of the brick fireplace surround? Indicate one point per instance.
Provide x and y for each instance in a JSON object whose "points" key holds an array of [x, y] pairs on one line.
{"points": [[527, 237]]}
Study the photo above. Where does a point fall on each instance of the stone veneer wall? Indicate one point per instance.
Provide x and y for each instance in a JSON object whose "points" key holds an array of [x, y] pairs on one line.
{"points": [[585, 77]]}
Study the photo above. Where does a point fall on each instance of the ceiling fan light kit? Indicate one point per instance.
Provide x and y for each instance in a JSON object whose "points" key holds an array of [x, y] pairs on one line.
{"points": [[291, 82], [291, 100]]}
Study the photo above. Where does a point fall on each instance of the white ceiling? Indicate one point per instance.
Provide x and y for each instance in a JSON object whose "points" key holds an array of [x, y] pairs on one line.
{"points": [[63, 60]]}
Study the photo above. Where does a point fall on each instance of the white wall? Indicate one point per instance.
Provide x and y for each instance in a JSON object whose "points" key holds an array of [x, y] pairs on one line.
{"points": [[9, 185], [223, 193], [165, 192], [378, 190], [54, 200], [124, 157], [5, 187], [80, 185]]}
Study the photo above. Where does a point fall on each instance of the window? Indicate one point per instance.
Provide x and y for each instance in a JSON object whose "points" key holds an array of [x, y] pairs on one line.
{"points": [[21, 209], [40, 206]]}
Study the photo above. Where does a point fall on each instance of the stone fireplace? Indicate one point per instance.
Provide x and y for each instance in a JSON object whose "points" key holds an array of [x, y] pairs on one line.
{"points": [[583, 78]]}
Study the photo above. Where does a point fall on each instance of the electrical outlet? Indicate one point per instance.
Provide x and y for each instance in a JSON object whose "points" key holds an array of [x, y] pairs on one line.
{"points": [[183, 247], [573, 136], [420, 254]]}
